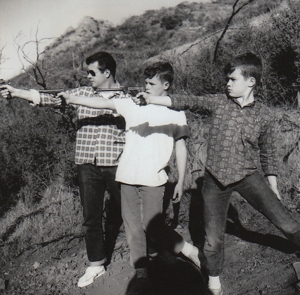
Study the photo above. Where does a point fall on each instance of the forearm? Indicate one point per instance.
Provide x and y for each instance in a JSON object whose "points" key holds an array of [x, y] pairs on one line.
{"points": [[272, 179], [192, 102], [92, 102], [176, 101], [29, 95], [181, 160], [160, 100]]}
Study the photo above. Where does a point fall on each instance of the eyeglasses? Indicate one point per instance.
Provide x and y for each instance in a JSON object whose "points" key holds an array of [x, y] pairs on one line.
{"points": [[92, 73]]}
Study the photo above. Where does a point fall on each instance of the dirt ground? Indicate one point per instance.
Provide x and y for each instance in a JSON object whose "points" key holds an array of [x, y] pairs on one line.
{"points": [[258, 260]]}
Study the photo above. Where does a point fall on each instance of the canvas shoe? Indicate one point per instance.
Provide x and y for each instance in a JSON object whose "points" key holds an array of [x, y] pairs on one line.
{"points": [[91, 273], [194, 256], [214, 291]]}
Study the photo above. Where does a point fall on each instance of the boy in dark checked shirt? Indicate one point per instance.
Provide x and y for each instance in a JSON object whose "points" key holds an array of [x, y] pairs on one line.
{"points": [[241, 139]]}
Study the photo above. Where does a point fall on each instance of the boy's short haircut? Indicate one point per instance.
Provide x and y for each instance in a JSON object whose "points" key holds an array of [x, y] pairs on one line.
{"points": [[105, 62], [163, 70], [249, 64]]}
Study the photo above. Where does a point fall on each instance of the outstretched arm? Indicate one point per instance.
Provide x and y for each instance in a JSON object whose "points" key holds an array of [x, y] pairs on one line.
{"points": [[92, 102], [14, 92], [32, 95], [181, 159], [181, 101]]}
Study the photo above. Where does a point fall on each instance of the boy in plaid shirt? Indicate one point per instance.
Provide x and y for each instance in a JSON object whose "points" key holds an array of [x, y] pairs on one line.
{"points": [[99, 144]]}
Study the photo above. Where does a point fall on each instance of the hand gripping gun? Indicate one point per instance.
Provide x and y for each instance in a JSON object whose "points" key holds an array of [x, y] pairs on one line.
{"points": [[3, 82]]}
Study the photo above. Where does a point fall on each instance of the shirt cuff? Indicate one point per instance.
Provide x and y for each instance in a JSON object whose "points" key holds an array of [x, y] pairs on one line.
{"points": [[35, 95]]}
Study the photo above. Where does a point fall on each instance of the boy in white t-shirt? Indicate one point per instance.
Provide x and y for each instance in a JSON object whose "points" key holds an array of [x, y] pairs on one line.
{"points": [[150, 135]]}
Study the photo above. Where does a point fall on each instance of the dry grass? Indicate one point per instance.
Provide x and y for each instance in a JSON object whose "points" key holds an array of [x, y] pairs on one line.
{"points": [[25, 227]]}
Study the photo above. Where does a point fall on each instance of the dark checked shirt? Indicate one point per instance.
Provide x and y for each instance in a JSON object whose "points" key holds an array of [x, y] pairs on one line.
{"points": [[240, 139], [98, 141]]}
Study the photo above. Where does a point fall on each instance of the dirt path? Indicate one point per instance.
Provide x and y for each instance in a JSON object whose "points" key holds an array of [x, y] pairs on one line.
{"points": [[250, 268], [257, 261]]}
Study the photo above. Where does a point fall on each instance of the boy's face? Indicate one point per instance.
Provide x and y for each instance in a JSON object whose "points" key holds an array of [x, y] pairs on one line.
{"points": [[156, 87], [96, 78], [237, 85]]}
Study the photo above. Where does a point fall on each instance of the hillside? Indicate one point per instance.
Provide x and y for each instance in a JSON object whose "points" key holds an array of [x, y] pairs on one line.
{"points": [[136, 39]]}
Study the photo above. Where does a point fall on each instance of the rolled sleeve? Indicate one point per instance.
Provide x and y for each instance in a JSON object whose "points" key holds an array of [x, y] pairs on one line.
{"points": [[268, 150], [194, 103]]}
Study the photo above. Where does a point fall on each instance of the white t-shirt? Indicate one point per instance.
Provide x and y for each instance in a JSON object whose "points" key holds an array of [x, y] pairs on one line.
{"points": [[150, 134]]}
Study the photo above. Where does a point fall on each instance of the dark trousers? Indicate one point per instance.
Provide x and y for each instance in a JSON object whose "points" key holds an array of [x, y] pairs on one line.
{"points": [[259, 195], [93, 182]]}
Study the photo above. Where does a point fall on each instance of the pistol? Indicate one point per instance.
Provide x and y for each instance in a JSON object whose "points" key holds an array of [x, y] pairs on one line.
{"points": [[133, 91], [3, 82], [55, 92]]}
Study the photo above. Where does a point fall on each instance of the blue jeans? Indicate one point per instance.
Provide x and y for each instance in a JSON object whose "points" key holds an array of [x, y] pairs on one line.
{"points": [[216, 200], [93, 181], [142, 212]]}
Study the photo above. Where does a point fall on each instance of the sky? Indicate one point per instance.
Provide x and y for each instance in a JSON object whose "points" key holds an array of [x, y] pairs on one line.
{"points": [[53, 17]]}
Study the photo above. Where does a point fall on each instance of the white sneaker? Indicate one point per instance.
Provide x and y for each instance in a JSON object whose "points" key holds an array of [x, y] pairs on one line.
{"points": [[194, 256], [91, 273], [214, 291]]}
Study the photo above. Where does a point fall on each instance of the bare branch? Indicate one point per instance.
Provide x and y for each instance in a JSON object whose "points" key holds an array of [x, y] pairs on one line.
{"points": [[2, 57], [199, 41], [234, 12], [36, 71]]}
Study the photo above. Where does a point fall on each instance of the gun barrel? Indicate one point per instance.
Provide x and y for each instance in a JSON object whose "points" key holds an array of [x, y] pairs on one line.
{"points": [[122, 88], [51, 91], [125, 89]]}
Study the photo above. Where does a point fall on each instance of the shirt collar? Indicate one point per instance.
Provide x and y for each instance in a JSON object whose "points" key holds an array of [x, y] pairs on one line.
{"points": [[108, 94], [251, 104]]}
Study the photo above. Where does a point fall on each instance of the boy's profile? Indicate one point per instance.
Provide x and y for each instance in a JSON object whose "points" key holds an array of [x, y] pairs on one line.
{"points": [[150, 135], [241, 139]]}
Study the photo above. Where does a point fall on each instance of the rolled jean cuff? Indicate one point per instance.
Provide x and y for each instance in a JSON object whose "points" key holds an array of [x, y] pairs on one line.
{"points": [[294, 238], [101, 262], [214, 273]]}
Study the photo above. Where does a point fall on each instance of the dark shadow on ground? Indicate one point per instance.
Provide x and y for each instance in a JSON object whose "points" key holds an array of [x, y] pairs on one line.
{"points": [[235, 228], [172, 275]]}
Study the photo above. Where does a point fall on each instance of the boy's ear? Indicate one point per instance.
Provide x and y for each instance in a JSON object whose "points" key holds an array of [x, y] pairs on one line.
{"points": [[166, 85], [107, 73], [252, 82]]}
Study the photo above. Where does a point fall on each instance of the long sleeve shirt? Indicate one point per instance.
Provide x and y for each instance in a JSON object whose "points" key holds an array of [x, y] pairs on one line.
{"points": [[99, 141], [240, 139]]}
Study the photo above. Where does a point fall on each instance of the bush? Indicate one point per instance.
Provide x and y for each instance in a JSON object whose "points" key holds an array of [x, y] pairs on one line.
{"points": [[36, 148], [276, 41]]}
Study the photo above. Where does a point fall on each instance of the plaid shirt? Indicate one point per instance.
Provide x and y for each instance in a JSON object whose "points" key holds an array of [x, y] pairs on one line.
{"points": [[98, 140], [240, 140]]}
